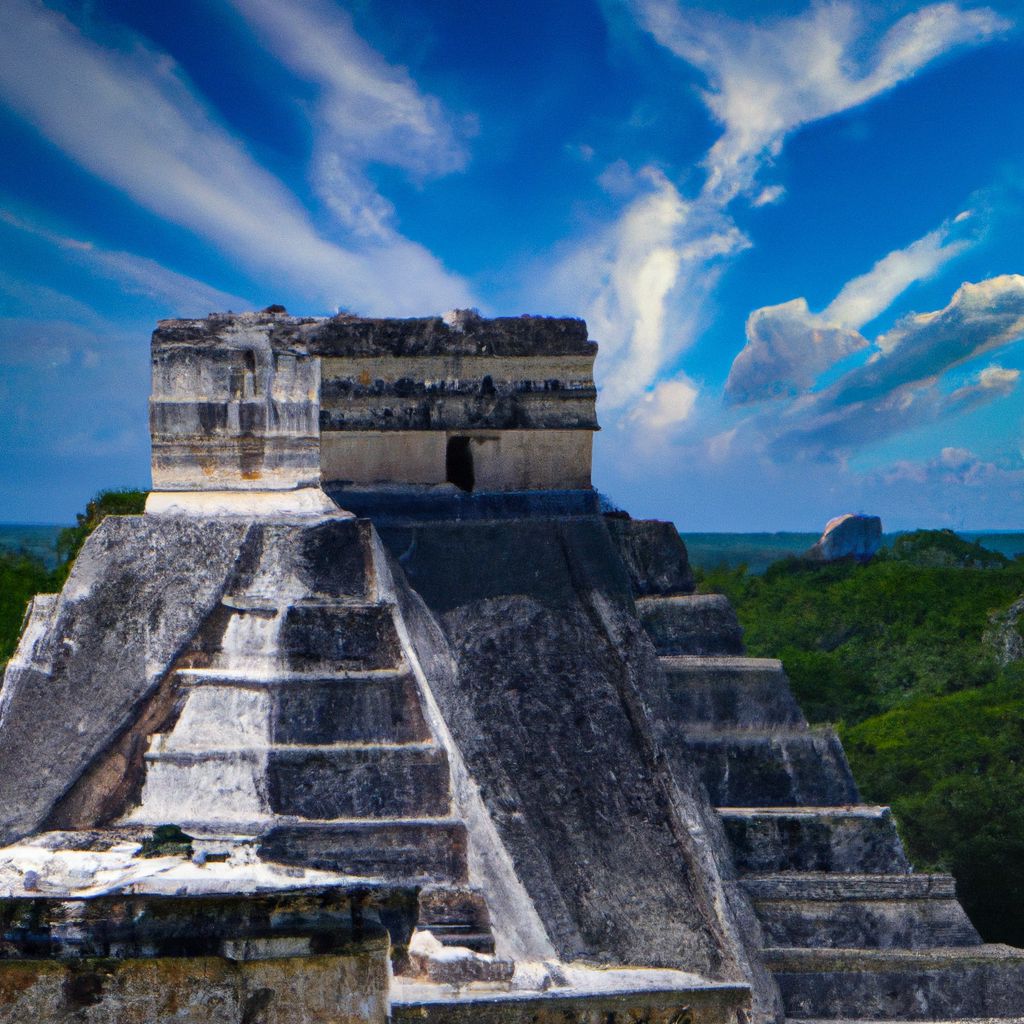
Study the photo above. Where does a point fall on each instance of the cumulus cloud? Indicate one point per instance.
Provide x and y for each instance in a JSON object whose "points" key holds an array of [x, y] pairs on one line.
{"points": [[832, 428], [922, 346], [767, 79], [130, 118], [907, 381], [788, 347], [954, 467], [668, 404]]}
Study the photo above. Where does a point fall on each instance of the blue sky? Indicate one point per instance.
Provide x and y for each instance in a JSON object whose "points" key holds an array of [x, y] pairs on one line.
{"points": [[793, 228]]}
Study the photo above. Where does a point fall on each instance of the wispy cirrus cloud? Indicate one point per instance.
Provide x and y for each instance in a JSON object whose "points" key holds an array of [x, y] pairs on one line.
{"points": [[623, 277], [131, 118], [368, 111], [138, 275], [767, 79], [372, 109]]}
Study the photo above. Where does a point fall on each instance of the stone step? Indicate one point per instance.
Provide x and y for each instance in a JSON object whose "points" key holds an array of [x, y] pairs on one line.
{"points": [[339, 781], [905, 985], [367, 708], [240, 713], [409, 780], [826, 885], [244, 678], [860, 911], [616, 997], [456, 916], [771, 768], [724, 692], [423, 850], [691, 624], [959, 1020], [304, 637], [860, 839]]}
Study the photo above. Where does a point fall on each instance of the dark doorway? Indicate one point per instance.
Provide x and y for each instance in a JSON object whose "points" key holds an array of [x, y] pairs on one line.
{"points": [[458, 463]]}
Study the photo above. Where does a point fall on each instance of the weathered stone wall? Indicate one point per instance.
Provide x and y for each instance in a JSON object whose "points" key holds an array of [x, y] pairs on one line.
{"points": [[197, 990], [235, 406], [505, 460], [491, 405], [547, 710], [269, 402], [139, 590]]}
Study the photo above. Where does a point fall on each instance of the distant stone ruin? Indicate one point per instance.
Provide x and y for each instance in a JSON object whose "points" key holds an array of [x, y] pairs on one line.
{"points": [[447, 743], [855, 536]]}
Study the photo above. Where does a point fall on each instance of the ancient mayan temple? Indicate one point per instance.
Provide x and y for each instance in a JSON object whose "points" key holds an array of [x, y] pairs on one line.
{"points": [[441, 741]]}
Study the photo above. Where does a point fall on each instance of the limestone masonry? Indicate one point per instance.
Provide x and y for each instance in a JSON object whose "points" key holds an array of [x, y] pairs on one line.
{"points": [[440, 741]]}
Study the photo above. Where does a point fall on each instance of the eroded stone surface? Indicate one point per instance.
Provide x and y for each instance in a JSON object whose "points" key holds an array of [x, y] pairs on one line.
{"points": [[138, 592], [211, 990], [848, 536]]}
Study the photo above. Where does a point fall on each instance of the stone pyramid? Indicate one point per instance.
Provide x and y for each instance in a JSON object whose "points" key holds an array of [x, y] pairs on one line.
{"points": [[446, 743]]}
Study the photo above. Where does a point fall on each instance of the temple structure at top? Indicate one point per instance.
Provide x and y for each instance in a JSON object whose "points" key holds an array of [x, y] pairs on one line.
{"points": [[260, 411]]}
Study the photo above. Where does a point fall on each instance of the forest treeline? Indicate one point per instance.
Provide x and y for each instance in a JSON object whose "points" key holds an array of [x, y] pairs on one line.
{"points": [[910, 656]]}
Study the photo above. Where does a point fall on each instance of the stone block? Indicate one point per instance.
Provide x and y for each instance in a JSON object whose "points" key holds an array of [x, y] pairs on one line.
{"points": [[760, 769], [911, 911], [859, 839], [406, 781], [234, 406], [654, 555], [691, 624], [189, 990], [928, 984], [424, 850], [729, 693], [348, 709]]}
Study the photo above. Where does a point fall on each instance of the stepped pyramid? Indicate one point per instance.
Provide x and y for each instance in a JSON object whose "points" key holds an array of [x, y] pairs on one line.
{"points": [[449, 743], [850, 932]]}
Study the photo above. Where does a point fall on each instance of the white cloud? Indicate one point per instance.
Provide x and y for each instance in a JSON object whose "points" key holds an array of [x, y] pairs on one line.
{"points": [[908, 382], [991, 383], [668, 404], [373, 110], [642, 282], [645, 281], [368, 109], [863, 298], [839, 421], [788, 347], [979, 317], [954, 467], [131, 119], [768, 196], [767, 79]]}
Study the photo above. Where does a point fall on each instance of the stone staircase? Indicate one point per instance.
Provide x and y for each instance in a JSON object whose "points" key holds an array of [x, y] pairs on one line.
{"points": [[301, 730], [851, 933]]}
